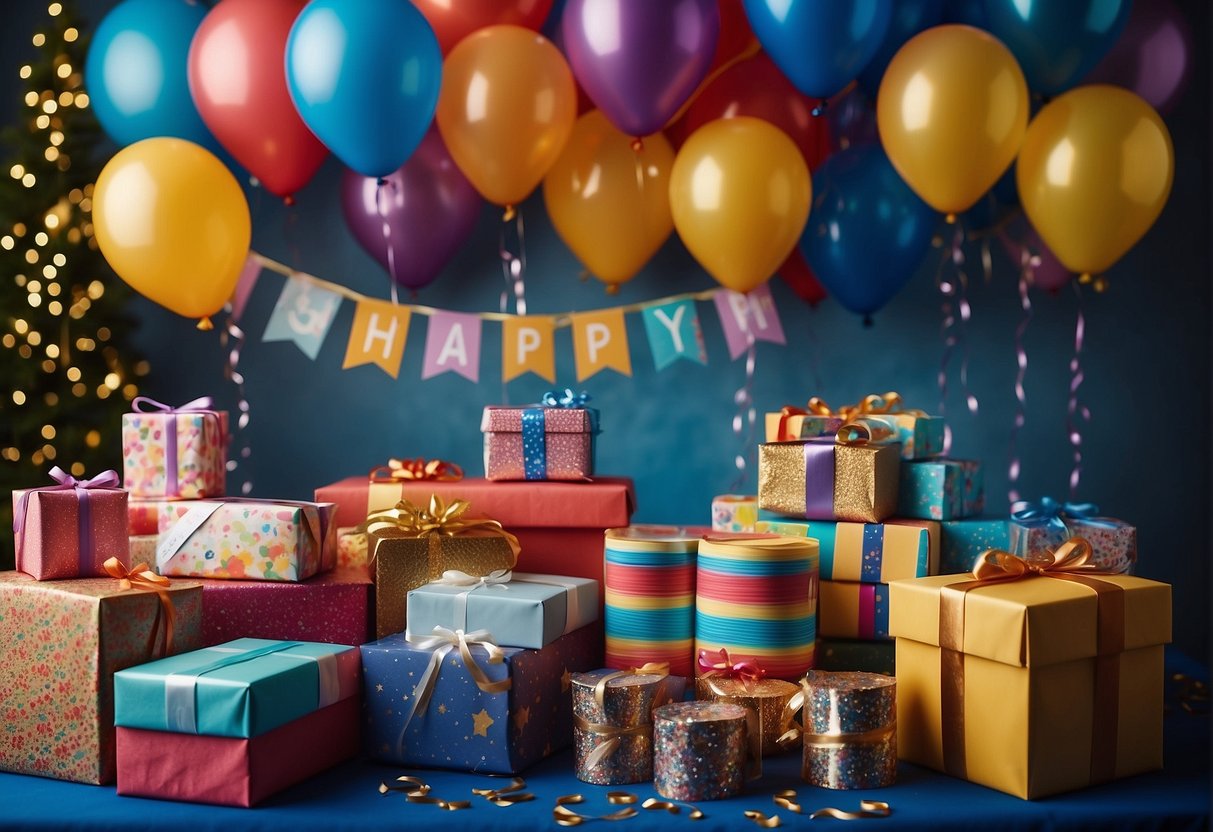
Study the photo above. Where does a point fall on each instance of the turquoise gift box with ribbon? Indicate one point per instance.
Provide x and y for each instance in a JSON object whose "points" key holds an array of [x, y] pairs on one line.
{"points": [[941, 489], [551, 440], [1039, 528]]}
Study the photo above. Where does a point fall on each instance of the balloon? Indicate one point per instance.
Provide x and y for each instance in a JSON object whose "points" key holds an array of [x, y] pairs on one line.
{"points": [[868, 232], [1057, 43], [1047, 271], [429, 206], [736, 39], [454, 21], [609, 203], [852, 119], [364, 75], [173, 223], [1152, 57], [801, 280], [821, 45], [952, 111], [506, 109], [1094, 173], [739, 193], [639, 60], [909, 18], [136, 72], [238, 84]]}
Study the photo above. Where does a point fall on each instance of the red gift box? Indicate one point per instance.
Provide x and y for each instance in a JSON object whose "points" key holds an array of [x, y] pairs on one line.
{"points": [[70, 529]]}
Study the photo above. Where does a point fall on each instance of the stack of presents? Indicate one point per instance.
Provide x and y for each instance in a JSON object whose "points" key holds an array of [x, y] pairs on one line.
{"points": [[193, 646]]}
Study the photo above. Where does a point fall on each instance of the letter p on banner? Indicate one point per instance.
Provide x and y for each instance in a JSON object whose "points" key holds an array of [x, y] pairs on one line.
{"points": [[600, 340], [527, 346]]}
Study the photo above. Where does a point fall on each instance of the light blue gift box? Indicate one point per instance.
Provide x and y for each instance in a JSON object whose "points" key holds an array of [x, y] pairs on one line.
{"points": [[964, 540]]}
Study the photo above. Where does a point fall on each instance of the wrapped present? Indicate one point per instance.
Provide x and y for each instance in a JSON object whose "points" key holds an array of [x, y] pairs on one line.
{"points": [[333, 607], [853, 654], [520, 609], [870, 552], [850, 730], [68, 530], [941, 489], [552, 440], [848, 609], [1032, 678], [963, 541], [744, 683], [506, 709], [1036, 529], [143, 547], [650, 597], [264, 540], [351, 547], [792, 423], [174, 451], [920, 435], [613, 721], [734, 512], [704, 750], [61, 644], [756, 597], [143, 516]]}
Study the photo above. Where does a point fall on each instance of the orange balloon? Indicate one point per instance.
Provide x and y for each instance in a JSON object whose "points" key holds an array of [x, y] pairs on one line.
{"points": [[507, 106], [609, 203]]}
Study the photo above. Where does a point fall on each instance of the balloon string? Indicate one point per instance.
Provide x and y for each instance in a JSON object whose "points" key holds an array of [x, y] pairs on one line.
{"points": [[232, 340], [746, 415], [381, 206], [513, 266], [1027, 264], [1076, 412], [946, 290], [966, 313]]}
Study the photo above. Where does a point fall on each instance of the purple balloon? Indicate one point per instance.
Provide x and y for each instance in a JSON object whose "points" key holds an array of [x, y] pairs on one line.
{"points": [[640, 60], [429, 206], [1048, 273], [1152, 57]]}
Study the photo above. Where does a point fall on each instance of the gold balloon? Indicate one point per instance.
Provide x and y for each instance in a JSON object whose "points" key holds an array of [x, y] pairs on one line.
{"points": [[952, 110], [740, 194], [1094, 173], [173, 223], [609, 202], [507, 105]]}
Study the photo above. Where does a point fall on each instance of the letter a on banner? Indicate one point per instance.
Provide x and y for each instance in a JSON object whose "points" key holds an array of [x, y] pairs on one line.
{"points": [[755, 311], [600, 339], [377, 336], [452, 343], [527, 346], [674, 333]]}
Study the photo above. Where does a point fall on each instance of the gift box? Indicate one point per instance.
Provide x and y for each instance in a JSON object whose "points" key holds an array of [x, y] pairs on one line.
{"points": [[333, 608], [704, 750], [734, 513], [1036, 529], [68, 530], [852, 654], [351, 547], [850, 730], [174, 452], [553, 440], [264, 540], [60, 645], [824, 479], [143, 516], [963, 541], [242, 688], [792, 423], [510, 710], [520, 609], [743, 683], [943, 489], [920, 436], [1031, 683], [869, 552], [143, 547], [848, 609]]}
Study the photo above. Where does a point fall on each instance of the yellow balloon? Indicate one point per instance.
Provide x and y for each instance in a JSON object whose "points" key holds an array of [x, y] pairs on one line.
{"points": [[507, 105], [173, 223], [740, 194], [610, 203], [1094, 173], [952, 110]]}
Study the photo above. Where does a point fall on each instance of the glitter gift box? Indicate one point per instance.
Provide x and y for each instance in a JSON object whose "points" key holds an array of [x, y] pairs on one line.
{"points": [[271, 540], [461, 726], [850, 730], [734, 512], [852, 654], [539, 442], [848, 609], [943, 489], [1031, 686], [60, 644], [870, 552], [68, 530], [1036, 529], [963, 541], [704, 750], [820, 479], [179, 452], [768, 698]]}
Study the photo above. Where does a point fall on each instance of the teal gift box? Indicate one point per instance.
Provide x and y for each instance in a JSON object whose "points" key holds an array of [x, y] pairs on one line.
{"points": [[942, 489], [243, 688], [868, 552], [964, 540], [520, 609]]}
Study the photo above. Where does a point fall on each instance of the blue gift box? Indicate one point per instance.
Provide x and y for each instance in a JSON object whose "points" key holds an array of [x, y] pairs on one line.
{"points": [[942, 489], [964, 540]]}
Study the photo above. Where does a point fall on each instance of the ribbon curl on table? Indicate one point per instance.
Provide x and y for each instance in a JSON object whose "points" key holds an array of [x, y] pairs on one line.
{"points": [[203, 405], [437, 520], [409, 470], [84, 522], [748, 672], [614, 734], [141, 577]]}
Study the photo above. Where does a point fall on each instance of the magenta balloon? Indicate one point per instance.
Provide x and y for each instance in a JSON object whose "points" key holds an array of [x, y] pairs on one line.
{"points": [[1153, 56], [640, 60], [430, 207]]}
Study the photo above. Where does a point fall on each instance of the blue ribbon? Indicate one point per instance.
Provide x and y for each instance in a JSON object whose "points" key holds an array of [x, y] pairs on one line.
{"points": [[534, 444], [566, 399], [1054, 514]]}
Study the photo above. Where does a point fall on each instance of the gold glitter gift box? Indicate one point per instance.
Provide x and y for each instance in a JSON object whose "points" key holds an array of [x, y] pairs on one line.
{"points": [[825, 479], [768, 698]]}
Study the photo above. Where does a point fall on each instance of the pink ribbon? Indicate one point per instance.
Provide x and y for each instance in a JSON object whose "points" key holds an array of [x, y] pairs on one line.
{"points": [[84, 523], [724, 668], [204, 405]]}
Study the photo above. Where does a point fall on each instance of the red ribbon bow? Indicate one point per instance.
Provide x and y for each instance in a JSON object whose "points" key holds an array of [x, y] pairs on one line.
{"points": [[749, 671]]}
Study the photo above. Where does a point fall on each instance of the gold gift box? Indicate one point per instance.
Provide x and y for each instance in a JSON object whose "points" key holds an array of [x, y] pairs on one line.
{"points": [[1025, 680], [866, 479], [765, 697]]}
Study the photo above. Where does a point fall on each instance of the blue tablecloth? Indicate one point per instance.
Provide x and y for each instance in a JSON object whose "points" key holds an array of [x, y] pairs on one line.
{"points": [[347, 798]]}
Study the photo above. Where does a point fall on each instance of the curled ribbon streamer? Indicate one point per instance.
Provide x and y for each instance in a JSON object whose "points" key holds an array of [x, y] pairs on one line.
{"points": [[1193, 694], [232, 340], [140, 577], [613, 733], [1076, 412], [762, 820], [439, 519], [749, 671], [204, 405], [861, 430], [746, 415], [792, 731], [867, 809], [565, 816], [673, 807], [1027, 274], [506, 795], [417, 790], [65, 482], [565, 398], [408, 470]]}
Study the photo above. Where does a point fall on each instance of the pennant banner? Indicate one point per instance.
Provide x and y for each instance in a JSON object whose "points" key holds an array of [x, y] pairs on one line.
{"points": [[244, 285], [377, 336], [600, 340], [452, 343], [528, 345], [674, 333], [754, 313], [303, 314]]}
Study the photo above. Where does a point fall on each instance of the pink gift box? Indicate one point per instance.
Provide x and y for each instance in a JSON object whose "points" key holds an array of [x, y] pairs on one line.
{"points": [[69, 530], [538, 443], [176, 453]]}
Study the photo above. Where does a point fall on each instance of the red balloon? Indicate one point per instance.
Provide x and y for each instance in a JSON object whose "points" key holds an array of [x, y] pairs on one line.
{"points": [[237, 79], [736, 38], [454, 20], [799, 276]]}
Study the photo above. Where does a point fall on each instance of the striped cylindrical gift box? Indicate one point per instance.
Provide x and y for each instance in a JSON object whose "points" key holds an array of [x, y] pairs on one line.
{"points": [[756, 597], [650, 597]]}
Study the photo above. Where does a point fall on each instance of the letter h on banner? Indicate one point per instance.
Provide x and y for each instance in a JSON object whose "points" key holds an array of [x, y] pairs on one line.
{"points": [[377, 336]]}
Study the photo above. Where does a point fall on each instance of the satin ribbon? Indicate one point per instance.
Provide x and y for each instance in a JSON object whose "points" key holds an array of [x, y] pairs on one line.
{"points": [[864, 431], [873, 404], [565, 816], [141, 578], [534, 443], [84, 521], [437, 520], [787, 799], [565, 398], [1052, 514], [411, 470], [506, 795], [417, 790], [497, 579], [673, 807], [203, 405], [748, 672], [616, 734]]}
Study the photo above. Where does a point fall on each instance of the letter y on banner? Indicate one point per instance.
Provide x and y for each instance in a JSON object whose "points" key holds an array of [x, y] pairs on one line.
{"points": [[600, 340], [755, 311], [377, 336], [674, 333]]}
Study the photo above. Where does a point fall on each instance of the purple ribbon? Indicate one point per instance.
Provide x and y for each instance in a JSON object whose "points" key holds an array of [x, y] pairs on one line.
{"points": [[203, 405], [819, 478], [84, 524]]}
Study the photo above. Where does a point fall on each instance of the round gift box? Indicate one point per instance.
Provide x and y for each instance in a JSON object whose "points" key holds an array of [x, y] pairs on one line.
{"points": [[700, 750], [766, 697], [624, 717], [850, 730]]}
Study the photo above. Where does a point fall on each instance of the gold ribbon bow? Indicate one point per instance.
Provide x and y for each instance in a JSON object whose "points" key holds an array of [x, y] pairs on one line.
{"points": [[873, 404], [1073, 556], [141, 577], [409, 470], [438, 519], [615, 734]]}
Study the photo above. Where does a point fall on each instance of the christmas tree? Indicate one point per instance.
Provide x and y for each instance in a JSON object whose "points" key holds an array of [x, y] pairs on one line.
{"points": [[66, 371]]}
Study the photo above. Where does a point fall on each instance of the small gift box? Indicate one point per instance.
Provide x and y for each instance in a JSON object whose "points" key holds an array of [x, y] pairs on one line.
{"points": [[553, 440], [920, 435], [264, 540], [68, 530], [1036, 529], [613, 721], [963, 541], [176, 452], [848, 609], [850, 730], [744, 683], [143, 516], [852, 654], [869, 552], [143, 547], [351, 548], [734, 513], [942, 489], [792, 423], [704, 750]]}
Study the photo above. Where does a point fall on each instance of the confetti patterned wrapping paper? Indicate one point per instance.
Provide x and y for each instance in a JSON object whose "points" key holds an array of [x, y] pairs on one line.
{"points": [[624, 721], [850, 730], [872, 552], [852, 654], [963, 541], [60, 644], [765, 697], [143, 516], [351, 548], [848, 609], [143, 548], [818, 479], [941, 489], [734, 512], [701, 750], [200, 440], [58, 530], [462, 727], [539, 443], [1114, 542]]}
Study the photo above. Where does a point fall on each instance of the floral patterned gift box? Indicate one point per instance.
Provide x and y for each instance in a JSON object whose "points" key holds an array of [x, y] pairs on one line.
{"points": [[174, 452]]}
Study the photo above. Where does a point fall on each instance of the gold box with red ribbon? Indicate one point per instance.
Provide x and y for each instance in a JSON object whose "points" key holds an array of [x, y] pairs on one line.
{"points": [[1031, 678]]}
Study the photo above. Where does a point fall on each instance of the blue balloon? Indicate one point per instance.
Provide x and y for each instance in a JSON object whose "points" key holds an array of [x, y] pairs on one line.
{"points": [[1057, 43], [867, 231], [821, 45], [364, 76], [968, 12], [909, 18], [136, 72]]}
